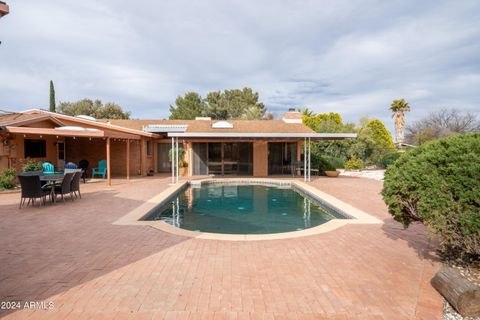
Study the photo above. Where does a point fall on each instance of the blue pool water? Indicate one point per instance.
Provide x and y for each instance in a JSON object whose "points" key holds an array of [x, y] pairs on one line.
{"points": [[242, 209]]}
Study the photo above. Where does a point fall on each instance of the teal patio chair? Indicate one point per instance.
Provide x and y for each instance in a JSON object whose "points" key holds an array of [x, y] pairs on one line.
{"points": [[101, 170], [48, 168]]}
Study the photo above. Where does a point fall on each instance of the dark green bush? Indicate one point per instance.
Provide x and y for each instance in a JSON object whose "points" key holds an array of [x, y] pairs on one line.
{"points": [[438, 184], [7, 179], [389, 159]]}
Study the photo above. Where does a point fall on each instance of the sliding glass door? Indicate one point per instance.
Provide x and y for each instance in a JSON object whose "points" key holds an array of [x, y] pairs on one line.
{"points": [[281, 157], [223, 158]]}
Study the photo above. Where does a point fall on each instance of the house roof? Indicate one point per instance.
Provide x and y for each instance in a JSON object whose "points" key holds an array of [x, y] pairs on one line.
{"points": [[8, 119], [175, 128], [68, 120], [241, 129], [239, 126]]}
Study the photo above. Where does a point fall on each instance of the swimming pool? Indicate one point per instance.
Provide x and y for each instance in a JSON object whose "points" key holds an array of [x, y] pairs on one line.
{"points": [[242, 209]]}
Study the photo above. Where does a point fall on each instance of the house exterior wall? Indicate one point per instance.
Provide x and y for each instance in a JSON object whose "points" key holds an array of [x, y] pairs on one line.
{"points": [[12, 153], [260, 158]]}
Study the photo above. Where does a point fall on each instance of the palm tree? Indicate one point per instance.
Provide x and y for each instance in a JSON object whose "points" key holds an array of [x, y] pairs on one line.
{"points": [[399, 107]]}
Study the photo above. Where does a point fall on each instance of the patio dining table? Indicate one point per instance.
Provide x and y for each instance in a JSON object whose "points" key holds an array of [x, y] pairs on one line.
{"points": [[53, 179]]}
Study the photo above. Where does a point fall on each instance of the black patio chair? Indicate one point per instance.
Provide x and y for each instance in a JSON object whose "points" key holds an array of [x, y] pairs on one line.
{"points": [[75, 184], [32, 189], [64, 188], [83, 164]]}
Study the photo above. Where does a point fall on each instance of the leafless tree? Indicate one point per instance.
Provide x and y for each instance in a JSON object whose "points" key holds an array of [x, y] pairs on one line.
{"points": [[442, 123]]}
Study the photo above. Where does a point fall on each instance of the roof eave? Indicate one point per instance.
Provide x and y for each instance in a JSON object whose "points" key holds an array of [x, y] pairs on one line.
{"points": [[315, 136]]}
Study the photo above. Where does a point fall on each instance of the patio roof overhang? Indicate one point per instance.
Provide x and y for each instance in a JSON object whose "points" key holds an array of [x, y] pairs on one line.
{"points": [[312, 136], [70, 133], [96, 124]]}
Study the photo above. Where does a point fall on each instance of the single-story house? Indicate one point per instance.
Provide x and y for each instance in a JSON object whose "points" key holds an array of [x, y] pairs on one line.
{"points": [[136, 147]]}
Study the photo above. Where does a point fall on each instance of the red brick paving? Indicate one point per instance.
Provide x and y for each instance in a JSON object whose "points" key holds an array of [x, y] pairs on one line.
{"points": [[71, 254]]}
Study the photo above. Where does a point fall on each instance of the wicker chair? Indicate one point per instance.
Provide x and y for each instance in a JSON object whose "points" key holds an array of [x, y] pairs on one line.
{"points": [[64, 188], [32, 189], [83, 164], [75, 184]]}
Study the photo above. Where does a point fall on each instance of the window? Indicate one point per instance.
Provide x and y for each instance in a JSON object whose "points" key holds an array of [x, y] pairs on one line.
{"points": [[149, 148], [35, 148]]}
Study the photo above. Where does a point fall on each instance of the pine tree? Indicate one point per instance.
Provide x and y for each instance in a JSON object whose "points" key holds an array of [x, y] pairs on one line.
{"points": [[52, 97]]}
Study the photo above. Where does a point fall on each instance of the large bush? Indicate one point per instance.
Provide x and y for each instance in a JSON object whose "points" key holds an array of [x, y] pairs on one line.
{"points": [[389, 158], [438, 184]]}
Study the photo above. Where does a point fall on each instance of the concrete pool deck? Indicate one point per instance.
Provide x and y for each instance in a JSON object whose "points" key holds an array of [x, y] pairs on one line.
{"points": [[74, 256]]}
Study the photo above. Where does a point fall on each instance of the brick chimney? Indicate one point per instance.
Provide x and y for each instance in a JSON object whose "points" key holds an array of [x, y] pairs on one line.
{"points": [[292, 117]]}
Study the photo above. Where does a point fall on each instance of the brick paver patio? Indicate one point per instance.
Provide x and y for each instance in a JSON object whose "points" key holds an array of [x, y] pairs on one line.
{"points": [[72, 255]]}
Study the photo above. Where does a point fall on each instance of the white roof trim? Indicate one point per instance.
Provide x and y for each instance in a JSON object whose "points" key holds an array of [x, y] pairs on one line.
{"points": [[159, 128], [76, 128], [261, 135]]}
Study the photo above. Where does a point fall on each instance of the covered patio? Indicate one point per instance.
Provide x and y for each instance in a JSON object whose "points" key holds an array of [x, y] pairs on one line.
{"points": [[72, 144], [44, 136], [247, 154]]}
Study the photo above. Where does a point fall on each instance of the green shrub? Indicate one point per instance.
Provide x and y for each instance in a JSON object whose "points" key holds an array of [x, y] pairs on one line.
{"points": [[438, 184], [336, 162], [389, 159], [354, 163], [327, 165], [31, 165], [7, 179]]}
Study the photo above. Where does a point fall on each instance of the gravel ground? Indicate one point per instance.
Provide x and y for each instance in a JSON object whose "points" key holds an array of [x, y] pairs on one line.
{"points": [[371, 174], [450, 314]]}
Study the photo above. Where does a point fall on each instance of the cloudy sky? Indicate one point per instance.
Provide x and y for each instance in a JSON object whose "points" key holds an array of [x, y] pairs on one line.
{"points": [[353, 57]]}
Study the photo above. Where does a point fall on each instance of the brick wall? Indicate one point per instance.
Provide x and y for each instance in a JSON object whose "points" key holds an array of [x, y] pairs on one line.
{"points": [[94, 150]]}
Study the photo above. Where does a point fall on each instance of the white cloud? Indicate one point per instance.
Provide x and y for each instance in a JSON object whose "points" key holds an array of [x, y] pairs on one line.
{"points": [[353, 57]]}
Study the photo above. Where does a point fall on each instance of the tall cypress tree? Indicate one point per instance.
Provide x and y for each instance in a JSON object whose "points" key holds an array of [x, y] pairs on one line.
{"points": [[52, 97]]}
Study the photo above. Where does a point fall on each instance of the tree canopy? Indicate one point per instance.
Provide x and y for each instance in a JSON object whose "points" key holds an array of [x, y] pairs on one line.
{"points": [[442, 123], [323, 122], [398, 108], [188, 107], [52, 97], [93, 109], [221, 105], [371, 145]]}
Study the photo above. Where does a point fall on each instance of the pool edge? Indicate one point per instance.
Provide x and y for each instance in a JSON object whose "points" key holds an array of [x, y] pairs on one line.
{"points": [[357, 216]]}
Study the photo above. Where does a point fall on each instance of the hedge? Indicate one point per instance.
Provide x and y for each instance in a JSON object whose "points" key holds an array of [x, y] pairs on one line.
{"points": [[438, 184]]}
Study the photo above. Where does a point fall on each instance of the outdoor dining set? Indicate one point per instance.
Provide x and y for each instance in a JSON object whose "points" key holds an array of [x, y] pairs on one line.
{"points": [[38, 185]]}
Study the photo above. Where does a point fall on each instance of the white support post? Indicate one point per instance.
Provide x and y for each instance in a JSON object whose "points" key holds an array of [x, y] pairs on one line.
{"points": [[305, 159], [309, 163], [176, 158], [173, 162]]}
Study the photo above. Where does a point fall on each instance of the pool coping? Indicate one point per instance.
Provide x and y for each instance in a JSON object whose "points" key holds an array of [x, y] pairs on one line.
{"points": [[356, 216]]}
